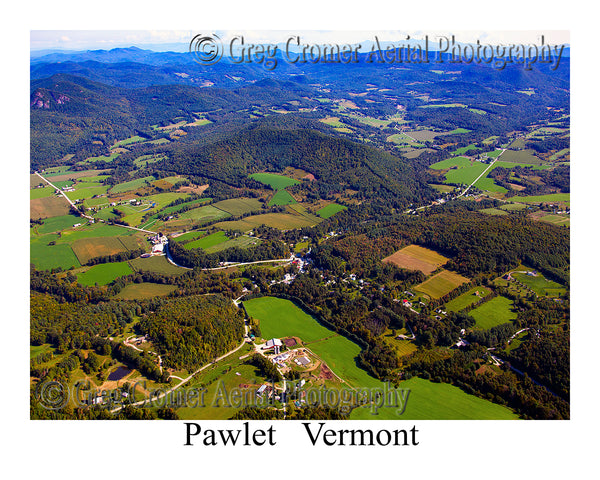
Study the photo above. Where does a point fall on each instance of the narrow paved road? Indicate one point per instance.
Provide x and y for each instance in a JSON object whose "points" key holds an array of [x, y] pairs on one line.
{"points": [[65, 196]]}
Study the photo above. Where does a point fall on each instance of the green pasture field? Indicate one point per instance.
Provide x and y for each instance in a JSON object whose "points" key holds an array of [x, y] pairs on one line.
{"points": [[559, 154], [282, 197], [401, 346], [239, 206], [539, 284], [56, 224], [275, 181], [549, 198], [132, 184], [402, 139], [148, 160], [158, 141], [441, 284], [460, 162], [330, 210], [204, 214], [458, 130], [47, 257], [521, 156], [494, 154], [190, 235], [43, 192], [466, 175], [102, 158], [50, 171], [241, 241], [35, 350], [95, 230], [486, 183], [104, 273], [497, 311], [144, 290], [157, 264], [199, 122], [282, 318], [207, 241], [477, 111], [73, 175], [468, 298], [226, 375], [282, 221], [442, 188], [333, 122], [178, 208], [513, 206], [128, 141], [429, 400], [559, 220], [85, 192], [490, 140], [65, 183], [462, 150], [440, 401]]}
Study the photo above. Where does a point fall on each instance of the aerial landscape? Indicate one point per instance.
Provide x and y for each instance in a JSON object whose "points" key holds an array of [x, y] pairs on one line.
{"points": [[236, 240]]}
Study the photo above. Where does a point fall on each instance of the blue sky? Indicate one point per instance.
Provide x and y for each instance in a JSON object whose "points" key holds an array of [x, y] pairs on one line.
{"points": [[179, 39]]}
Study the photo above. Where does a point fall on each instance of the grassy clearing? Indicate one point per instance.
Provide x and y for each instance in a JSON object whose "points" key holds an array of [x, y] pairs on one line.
{"points": [[494, 211], [281, 318], [204, 214], [402, 139], [440, 401], [539, 284], [146, 160], [56, 224], [128, 141], [190, 235], [462, 150], [468, 298], [157, 264], [282, 197], [95, 230], [145, 290], [521, 156], [550, 198], [330, 210], [275, 181], [47, 257], [459, 162], [239, 206], [104, 273], [132, 184], [282, 221], [43, 192], [415, 257], [441, 284], [497, 311], [207, 241]]}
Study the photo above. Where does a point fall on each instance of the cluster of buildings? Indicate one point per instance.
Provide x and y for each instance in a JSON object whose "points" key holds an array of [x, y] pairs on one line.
{"points": [[158, 244]]}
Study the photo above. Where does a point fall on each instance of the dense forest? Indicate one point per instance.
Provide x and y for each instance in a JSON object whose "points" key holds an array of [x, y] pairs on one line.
{"points": [[189, 332]]}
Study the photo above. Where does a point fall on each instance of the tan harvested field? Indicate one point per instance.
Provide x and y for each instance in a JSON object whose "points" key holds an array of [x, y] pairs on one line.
{"points": [[87, 248], [414, 257], [422, 135], [70, 175], [282, 221], [198, 189], [48, 207], [441, 284]]}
